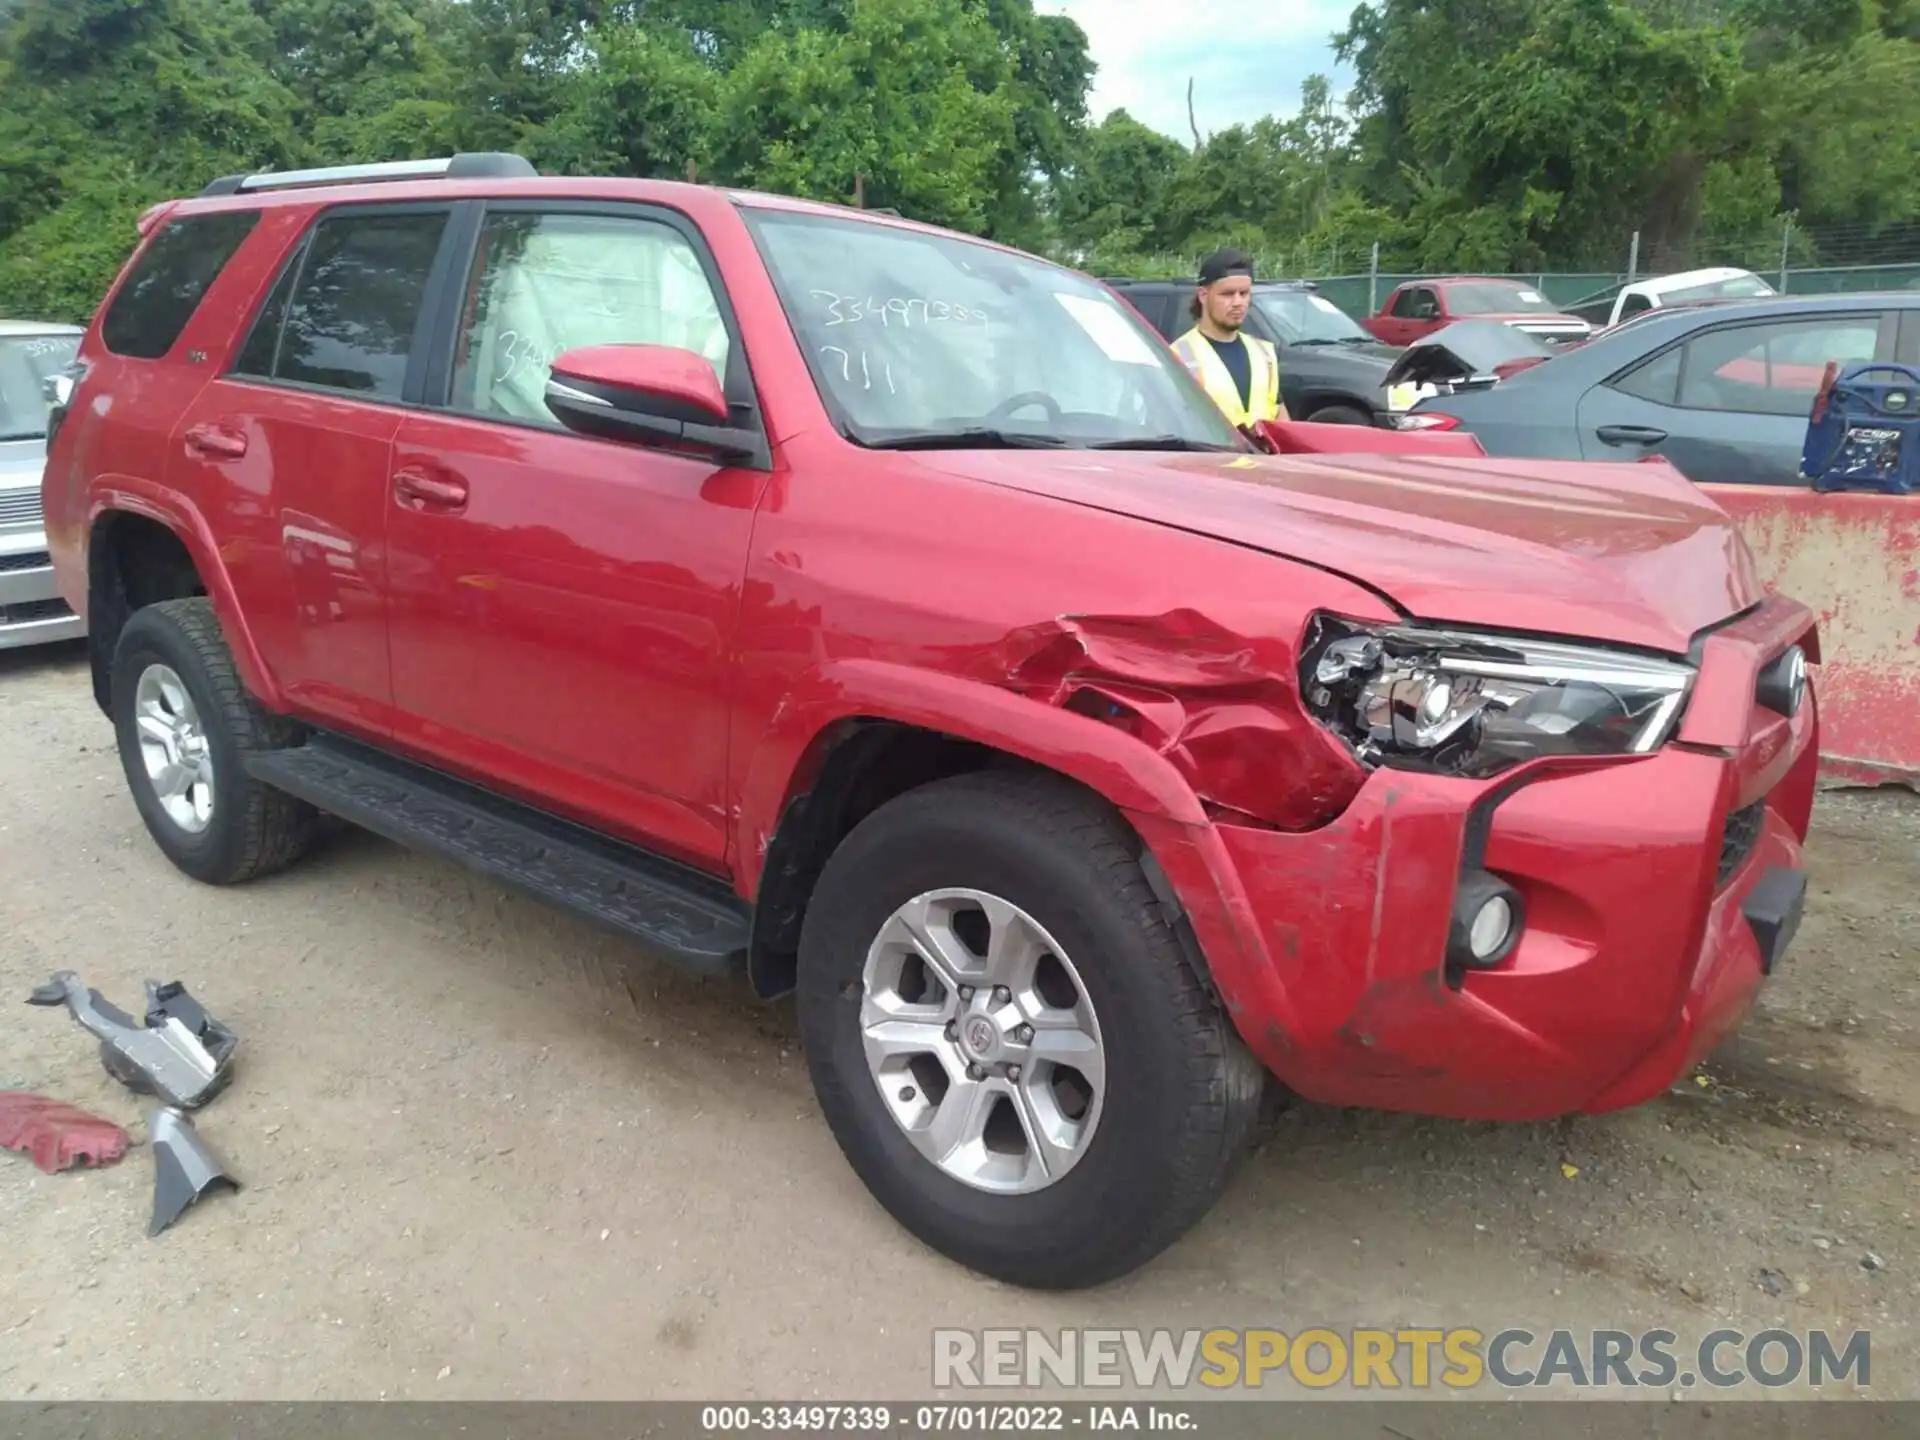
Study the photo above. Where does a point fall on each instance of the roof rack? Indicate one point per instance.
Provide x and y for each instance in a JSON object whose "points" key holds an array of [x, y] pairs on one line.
{"points": [[470, 165]]}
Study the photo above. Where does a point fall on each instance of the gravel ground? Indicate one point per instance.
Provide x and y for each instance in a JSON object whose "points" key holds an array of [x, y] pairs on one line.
{"points": [[488, 1152]]}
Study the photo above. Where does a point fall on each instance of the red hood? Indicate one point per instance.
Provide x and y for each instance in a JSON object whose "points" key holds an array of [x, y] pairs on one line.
{"points": [[1628, 553]]}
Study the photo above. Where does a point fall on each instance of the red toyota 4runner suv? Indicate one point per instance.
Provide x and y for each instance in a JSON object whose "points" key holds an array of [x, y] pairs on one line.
{"points": [[885, 617]]}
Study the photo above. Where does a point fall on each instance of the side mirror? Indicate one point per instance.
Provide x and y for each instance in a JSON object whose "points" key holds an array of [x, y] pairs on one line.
{"points": [[58, 389], [650, 394]]}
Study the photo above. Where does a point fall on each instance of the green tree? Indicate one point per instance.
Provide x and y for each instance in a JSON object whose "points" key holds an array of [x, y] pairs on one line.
{"points": [[107, 106], [915, 100]]}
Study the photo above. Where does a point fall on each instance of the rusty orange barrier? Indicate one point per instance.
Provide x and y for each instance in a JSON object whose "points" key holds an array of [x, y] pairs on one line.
{"points": [[1854, 560]]}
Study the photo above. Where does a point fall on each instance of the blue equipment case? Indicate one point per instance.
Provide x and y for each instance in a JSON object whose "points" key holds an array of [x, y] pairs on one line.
{"points": [[1864, 433]]}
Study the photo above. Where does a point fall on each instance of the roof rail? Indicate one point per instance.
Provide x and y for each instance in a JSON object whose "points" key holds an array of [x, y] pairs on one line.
{"points": [[469, 165]]}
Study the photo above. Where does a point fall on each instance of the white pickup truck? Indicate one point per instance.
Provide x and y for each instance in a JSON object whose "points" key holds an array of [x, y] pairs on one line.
{"points": [[1690, 287]]}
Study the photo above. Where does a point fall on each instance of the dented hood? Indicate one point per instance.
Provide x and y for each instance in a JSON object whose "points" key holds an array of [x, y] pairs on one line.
{"points": [[1627, 553]]}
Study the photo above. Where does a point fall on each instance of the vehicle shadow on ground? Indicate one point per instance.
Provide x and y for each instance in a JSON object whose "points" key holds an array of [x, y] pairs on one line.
{"points": [[1769, 1134], [30, 659]]}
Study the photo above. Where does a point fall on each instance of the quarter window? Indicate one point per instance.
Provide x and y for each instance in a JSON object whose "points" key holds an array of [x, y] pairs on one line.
{"points": [[1657, 379], [169, 280], [546, 283]]}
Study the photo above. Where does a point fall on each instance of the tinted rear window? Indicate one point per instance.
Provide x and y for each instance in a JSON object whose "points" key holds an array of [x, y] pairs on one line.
{"points": [[170, 279]]}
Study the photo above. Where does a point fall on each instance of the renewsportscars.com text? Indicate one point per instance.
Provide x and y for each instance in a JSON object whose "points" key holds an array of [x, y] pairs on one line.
{"points": [[1397, 1359]]}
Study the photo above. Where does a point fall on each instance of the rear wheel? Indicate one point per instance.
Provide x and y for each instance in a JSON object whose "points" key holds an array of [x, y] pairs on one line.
{"points": [[1008, 1041], [185, 726]]}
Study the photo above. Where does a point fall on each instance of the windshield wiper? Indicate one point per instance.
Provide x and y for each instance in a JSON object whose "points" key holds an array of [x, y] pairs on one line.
{"points": [[24, 435], [973, 438], [1161, 442]]}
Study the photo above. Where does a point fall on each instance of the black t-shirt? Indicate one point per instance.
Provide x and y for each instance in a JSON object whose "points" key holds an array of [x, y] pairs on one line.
{"points": [[1233, 354]]}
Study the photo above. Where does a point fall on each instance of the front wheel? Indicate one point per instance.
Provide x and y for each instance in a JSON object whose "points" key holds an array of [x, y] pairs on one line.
{"points": [[1007, 1039]]}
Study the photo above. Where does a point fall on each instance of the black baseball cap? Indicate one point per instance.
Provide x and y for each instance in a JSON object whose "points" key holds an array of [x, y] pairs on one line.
{"points": [[1222, 263]]}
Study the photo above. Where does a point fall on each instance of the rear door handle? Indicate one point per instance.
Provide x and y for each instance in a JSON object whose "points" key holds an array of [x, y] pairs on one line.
{"points": [[216, 442], [428, 489], [1630, 435]]}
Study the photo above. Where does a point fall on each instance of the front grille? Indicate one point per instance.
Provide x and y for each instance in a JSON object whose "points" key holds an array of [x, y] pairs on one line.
{"points": [[31, 610], [32, 560], [1742, 834], [20, 507]]}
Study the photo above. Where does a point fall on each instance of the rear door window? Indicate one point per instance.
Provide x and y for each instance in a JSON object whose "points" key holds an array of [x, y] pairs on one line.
{"points": [[169, 280], [344, 315]]}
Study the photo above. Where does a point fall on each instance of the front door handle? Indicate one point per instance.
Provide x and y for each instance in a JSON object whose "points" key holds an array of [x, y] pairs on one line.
{"points": [[216, 442], [1630, 435], [426, 489]]}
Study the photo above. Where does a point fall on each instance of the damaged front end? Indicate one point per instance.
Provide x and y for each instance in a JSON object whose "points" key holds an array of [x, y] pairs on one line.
{"points": [[1220, 705], [1467, 355], [1472, 704]]}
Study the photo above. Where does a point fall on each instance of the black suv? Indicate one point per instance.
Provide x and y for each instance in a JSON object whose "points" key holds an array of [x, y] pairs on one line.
{"points": [[1330, 369]]}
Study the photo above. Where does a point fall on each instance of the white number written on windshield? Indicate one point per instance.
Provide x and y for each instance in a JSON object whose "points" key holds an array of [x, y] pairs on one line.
{"points": [[856, 309]]}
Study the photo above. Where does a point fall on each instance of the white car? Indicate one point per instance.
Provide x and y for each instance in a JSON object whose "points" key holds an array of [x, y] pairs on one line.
{"points": [[33, 358], [1690, 287]]}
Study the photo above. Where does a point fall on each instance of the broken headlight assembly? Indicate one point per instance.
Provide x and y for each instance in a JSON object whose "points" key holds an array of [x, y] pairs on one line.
{"points": [[1470, 703]]}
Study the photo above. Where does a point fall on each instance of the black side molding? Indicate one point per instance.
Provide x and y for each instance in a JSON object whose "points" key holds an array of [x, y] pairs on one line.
{"points": [[684, 915]]}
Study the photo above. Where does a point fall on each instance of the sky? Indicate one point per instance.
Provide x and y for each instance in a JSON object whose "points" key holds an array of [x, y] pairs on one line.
{"points": [[1246, 57]]}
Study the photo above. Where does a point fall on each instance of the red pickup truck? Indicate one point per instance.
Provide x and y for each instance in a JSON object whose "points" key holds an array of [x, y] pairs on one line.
{"points": [[885, 618], [1418, 308]]}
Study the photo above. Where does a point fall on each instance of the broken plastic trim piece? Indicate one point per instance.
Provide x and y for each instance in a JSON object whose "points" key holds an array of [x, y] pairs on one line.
{"points": [[57, 1136], [182, 1054], [184, 1167]]}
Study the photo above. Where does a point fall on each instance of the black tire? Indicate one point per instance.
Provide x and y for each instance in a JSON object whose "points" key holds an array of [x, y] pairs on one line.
{"points": [[1177, 1113], [253, 829], [1340, 415]]}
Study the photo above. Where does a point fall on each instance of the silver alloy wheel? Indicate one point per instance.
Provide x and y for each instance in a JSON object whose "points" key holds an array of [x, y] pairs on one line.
{"points": [[173, 744], [983, 1040]]}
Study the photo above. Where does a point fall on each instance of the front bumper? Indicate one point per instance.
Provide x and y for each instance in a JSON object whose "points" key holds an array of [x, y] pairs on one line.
{"points": [[32, 611], [1658, 892]]}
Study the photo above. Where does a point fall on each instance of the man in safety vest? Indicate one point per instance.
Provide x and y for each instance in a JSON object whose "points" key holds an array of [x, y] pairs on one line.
{"points": [[1238, 371]]}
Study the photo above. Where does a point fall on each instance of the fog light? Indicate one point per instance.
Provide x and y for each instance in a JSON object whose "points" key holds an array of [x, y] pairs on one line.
{"points": [[1490, 928], [1783, 684], [1486, 925]]}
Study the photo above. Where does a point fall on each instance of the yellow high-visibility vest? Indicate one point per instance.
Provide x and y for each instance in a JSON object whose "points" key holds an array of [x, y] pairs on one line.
{"points": [[1196, 352]]}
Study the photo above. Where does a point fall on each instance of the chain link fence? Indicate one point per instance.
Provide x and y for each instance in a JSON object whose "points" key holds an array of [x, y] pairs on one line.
{"points": [[1795, 261]]}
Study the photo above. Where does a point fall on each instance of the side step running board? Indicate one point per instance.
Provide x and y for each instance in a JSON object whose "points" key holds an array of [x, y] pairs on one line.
{"points": [[683, 915]]}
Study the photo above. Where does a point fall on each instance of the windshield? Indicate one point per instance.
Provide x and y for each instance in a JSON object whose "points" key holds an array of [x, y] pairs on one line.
{"points": [[1494, 297], [1739, 287], [27, 364], [935, 339], [1303, 318]]}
